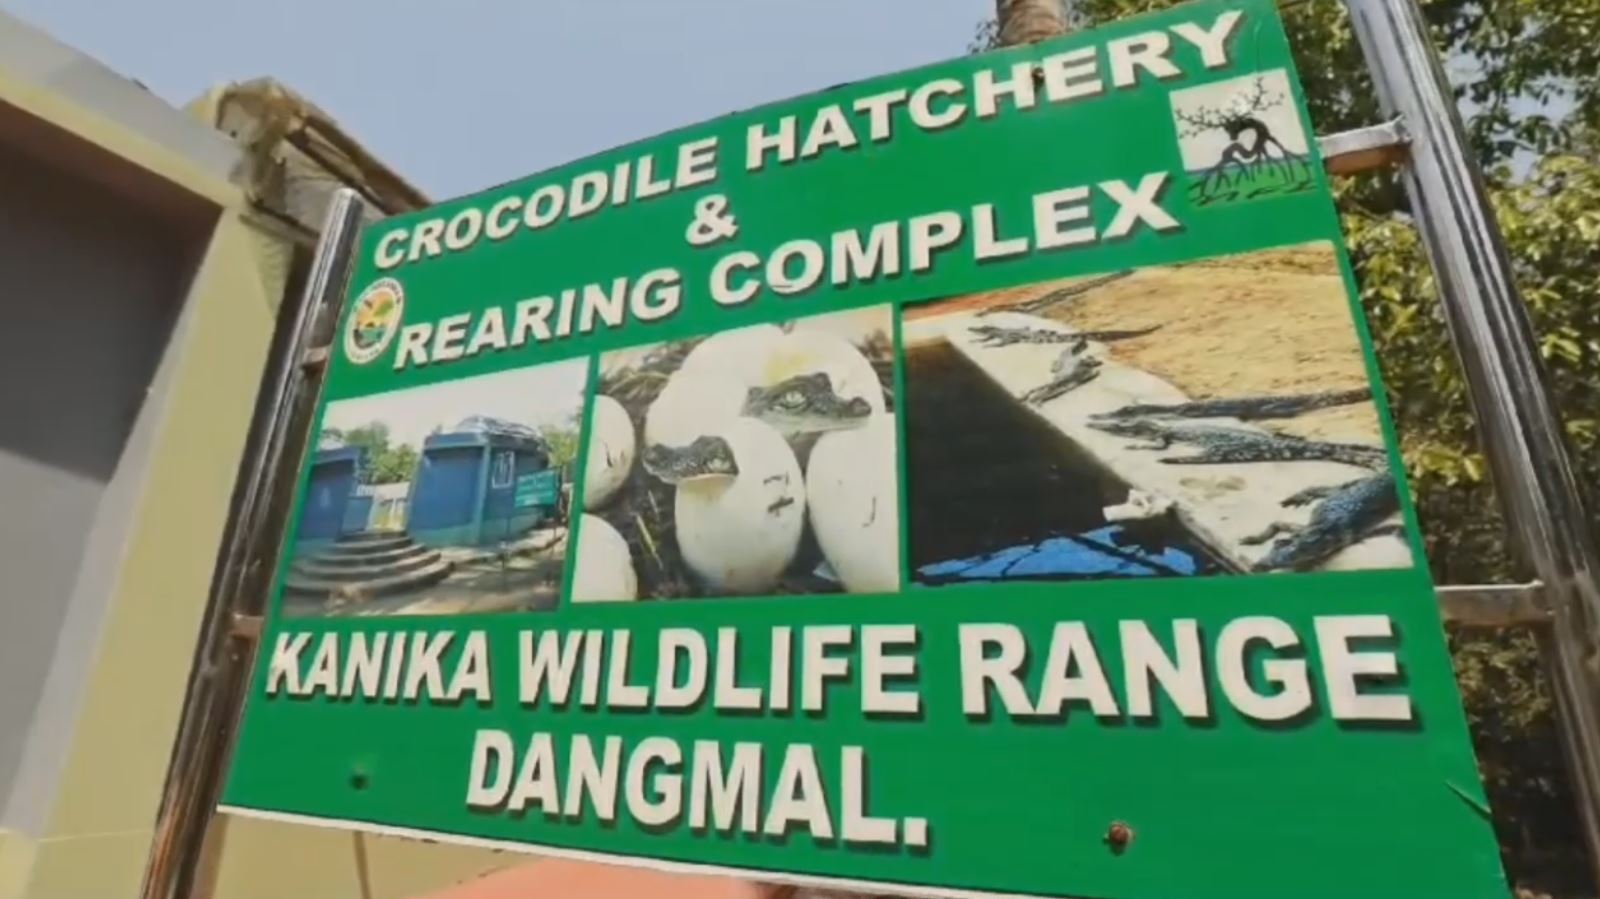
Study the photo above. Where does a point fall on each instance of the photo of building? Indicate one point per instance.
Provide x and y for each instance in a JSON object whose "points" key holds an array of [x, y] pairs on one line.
{"points": [[443, 499]]}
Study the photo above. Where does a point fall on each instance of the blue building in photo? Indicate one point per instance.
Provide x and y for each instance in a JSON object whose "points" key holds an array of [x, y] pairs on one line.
{"points": [[331, 509], [486, 481]]}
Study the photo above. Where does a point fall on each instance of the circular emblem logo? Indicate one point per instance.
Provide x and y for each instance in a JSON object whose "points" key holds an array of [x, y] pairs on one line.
{"points": [[374, 321]]}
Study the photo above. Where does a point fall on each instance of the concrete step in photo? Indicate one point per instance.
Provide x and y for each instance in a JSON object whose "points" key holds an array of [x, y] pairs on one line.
{"points": [[361, 544], [373, 536], [347, 570], [388, 585], [375, 557], [368, 565]]}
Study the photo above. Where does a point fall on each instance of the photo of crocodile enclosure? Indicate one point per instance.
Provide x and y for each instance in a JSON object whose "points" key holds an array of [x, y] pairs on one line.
{"points": [[445, 499], [754, 462], [1206, 418]]}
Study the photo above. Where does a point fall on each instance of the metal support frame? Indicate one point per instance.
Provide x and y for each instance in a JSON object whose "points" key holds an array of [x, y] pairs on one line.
{"points": [[1364, 149], [1493, 605], [1531, 467], [246, 563]]}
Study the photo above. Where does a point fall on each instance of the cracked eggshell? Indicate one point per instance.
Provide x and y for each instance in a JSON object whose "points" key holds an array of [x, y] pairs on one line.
{"points": [[691, 403], [739, 534], [603, 571], [735, 354], [611, 452], [853, 498], [806, 351]]}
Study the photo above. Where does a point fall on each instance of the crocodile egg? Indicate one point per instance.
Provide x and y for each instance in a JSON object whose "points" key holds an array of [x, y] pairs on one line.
{"points": [[738, 534], [692, 403], [734, 354], [603, 571], [611, 451], [853, 498]]}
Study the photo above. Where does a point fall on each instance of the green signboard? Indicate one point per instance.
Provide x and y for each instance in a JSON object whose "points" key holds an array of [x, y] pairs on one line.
{"points": [[981, 487], [538, 489]]}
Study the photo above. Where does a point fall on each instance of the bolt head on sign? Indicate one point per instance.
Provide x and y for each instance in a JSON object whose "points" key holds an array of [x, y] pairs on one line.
{"points": [[964, 482]]}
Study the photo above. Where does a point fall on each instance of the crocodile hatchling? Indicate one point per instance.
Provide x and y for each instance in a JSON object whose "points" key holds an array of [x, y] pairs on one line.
{"points": [[806, 402], [1224, 445], [1347, 514], [994, 335], [1055, 297], [1244, 408], [1071, 371], [997, 336]]}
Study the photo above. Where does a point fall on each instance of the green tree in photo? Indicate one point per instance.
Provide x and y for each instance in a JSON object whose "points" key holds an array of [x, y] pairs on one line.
{"points": [[385, 463], [1527, 78], [563, 440], [395, 465]]}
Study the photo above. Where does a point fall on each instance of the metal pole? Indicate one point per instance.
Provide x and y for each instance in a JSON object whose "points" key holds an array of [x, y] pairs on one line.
{"points": [[220, 672], [1520, 430]]}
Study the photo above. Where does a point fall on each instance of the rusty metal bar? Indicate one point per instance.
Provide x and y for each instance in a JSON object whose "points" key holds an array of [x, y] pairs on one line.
{"points": [[1365, 149], [1493, 605], [315, 358], [245, 627], [220, 672], [1520, 429]]}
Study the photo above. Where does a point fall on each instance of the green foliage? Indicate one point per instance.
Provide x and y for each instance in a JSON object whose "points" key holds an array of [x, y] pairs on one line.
{"points": [[1551, 220], [1509, 59], [385, 463], [563, 441], [1510, 713], [395, 465], [987, 37], [1527, 74]]}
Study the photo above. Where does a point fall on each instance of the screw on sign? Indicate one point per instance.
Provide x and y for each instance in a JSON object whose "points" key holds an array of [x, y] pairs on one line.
{"points": [[1119, 836]]}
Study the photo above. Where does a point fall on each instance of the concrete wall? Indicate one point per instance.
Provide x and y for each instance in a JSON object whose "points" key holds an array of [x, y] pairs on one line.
{"points": [[138, 303], [98, 827], [80, 88], [93, 290], [135, 315]]}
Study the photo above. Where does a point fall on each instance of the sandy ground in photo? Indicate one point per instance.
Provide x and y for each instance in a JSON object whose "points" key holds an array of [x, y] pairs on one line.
{"points": [[1275, 321]]}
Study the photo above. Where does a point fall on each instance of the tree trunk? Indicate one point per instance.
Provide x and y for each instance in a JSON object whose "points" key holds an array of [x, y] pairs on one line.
{"points": [[1029, 21]]}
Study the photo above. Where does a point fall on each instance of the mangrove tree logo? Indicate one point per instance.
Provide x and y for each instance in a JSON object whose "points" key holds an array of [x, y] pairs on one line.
{"points": [[1241, 139], [374, 321]]}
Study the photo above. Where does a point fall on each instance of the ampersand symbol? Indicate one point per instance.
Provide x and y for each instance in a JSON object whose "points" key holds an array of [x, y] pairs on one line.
{"points": [[712, 222]]}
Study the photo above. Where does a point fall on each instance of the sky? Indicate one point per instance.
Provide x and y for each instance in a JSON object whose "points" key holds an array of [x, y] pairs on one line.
{"points": [[460, 95], [541, 395]]}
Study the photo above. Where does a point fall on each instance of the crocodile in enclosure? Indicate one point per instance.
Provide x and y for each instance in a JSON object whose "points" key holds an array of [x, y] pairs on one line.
{"points": [[1245, 408], [1346, 515], [996, 336], [1070, 371], [1219, 445], [1056, 297]]}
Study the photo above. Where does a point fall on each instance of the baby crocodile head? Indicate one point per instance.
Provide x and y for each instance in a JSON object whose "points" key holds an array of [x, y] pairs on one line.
{"points": [[1123, 427], [707, 457], [1070, 362], [805, 403]]}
